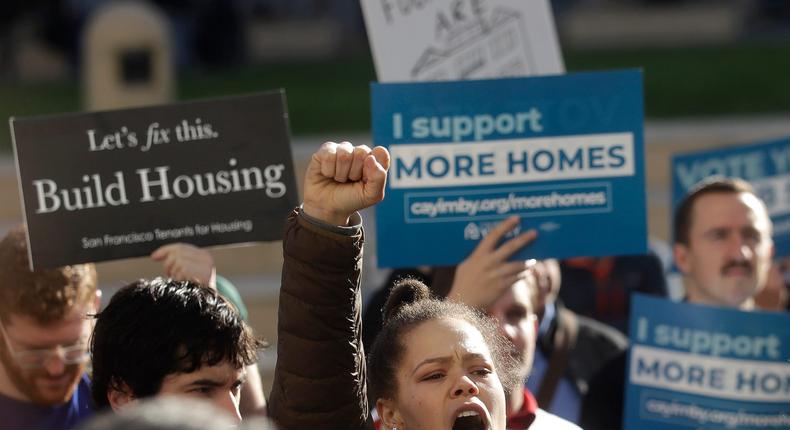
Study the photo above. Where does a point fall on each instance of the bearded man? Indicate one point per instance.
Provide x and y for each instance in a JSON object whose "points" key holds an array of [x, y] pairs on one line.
{"points": [[45, 331]]}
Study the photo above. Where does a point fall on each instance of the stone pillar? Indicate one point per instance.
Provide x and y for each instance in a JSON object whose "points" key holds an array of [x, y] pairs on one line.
{"points": [[127, 57]]}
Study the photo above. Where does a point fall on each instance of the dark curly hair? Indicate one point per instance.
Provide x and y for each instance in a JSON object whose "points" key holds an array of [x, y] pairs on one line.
{"points": [[46, 295], [409, 305], [153, 328]]}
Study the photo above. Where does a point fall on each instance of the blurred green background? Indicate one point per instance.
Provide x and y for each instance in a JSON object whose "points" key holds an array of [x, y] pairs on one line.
{"points": [[332, 96]]}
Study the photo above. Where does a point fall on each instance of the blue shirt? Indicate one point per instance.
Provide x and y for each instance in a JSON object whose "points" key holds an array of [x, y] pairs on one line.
{"points": [[20, 415], [567, 400]]}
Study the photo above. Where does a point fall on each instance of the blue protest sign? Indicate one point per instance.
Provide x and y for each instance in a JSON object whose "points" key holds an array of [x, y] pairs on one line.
{"points": [[765, 165], [563, 152], [693, 366]]}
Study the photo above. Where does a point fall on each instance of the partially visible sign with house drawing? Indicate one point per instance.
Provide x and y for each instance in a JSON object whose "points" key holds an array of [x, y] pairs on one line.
{"points": [[439, 40]]}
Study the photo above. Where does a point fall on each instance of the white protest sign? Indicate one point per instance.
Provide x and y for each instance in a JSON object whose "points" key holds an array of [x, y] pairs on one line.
{"points": [[439, 40]]}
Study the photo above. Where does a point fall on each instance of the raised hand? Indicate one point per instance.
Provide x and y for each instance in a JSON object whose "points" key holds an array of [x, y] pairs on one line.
{"points": [[342, 179], [483, 276], [185, 262]]}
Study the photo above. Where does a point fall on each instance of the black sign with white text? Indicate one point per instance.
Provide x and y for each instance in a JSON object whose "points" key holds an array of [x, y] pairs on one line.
{"points": [[115, 184]]}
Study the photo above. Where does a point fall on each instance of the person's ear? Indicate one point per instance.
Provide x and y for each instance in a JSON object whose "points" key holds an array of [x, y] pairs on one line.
{"points": [[389, 414], [120, 396], [681, 254]]}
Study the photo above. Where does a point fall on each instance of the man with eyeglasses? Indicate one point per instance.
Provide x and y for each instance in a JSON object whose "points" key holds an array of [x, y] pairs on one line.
{"points": [[44, 346]]}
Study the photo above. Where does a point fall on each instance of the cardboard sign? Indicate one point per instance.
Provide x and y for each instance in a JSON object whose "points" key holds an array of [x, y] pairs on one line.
{"points": [[107, 185], [693, 366], [444, 40], [766, 166], [563, 152]]}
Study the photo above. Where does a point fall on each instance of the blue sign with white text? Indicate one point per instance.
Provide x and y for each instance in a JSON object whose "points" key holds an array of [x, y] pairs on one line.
{"points": [[564, 152], [694, 366], [766, 166]]}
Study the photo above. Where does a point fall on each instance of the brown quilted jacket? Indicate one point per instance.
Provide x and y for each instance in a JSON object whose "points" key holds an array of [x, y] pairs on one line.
{"points": [[319, 380]]}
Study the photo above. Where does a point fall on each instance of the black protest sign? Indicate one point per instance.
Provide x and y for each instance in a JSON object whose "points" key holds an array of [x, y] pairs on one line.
{"points": [[107, 185]]}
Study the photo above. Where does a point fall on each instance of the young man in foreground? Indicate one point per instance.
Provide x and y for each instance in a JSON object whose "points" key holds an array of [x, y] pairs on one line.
{"points": [[161, 336]]}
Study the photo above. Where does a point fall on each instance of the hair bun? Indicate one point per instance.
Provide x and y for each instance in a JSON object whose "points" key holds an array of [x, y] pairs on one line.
{"points": [[404, 292]]}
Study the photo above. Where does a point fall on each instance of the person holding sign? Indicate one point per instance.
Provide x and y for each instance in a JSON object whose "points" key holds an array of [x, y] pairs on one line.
{"points": [[723, 247], [445, 368], [45, 331]]}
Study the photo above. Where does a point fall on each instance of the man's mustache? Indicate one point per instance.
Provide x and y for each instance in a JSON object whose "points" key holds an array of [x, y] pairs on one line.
{"points": [[737, 265]]}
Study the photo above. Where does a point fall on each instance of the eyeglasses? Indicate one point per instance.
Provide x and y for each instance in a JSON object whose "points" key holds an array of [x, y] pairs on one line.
{"points": [[76, 353]]}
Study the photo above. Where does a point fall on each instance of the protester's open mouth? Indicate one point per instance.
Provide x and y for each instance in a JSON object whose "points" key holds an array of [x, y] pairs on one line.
{"points": [[470, 417], [469, 420]]}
